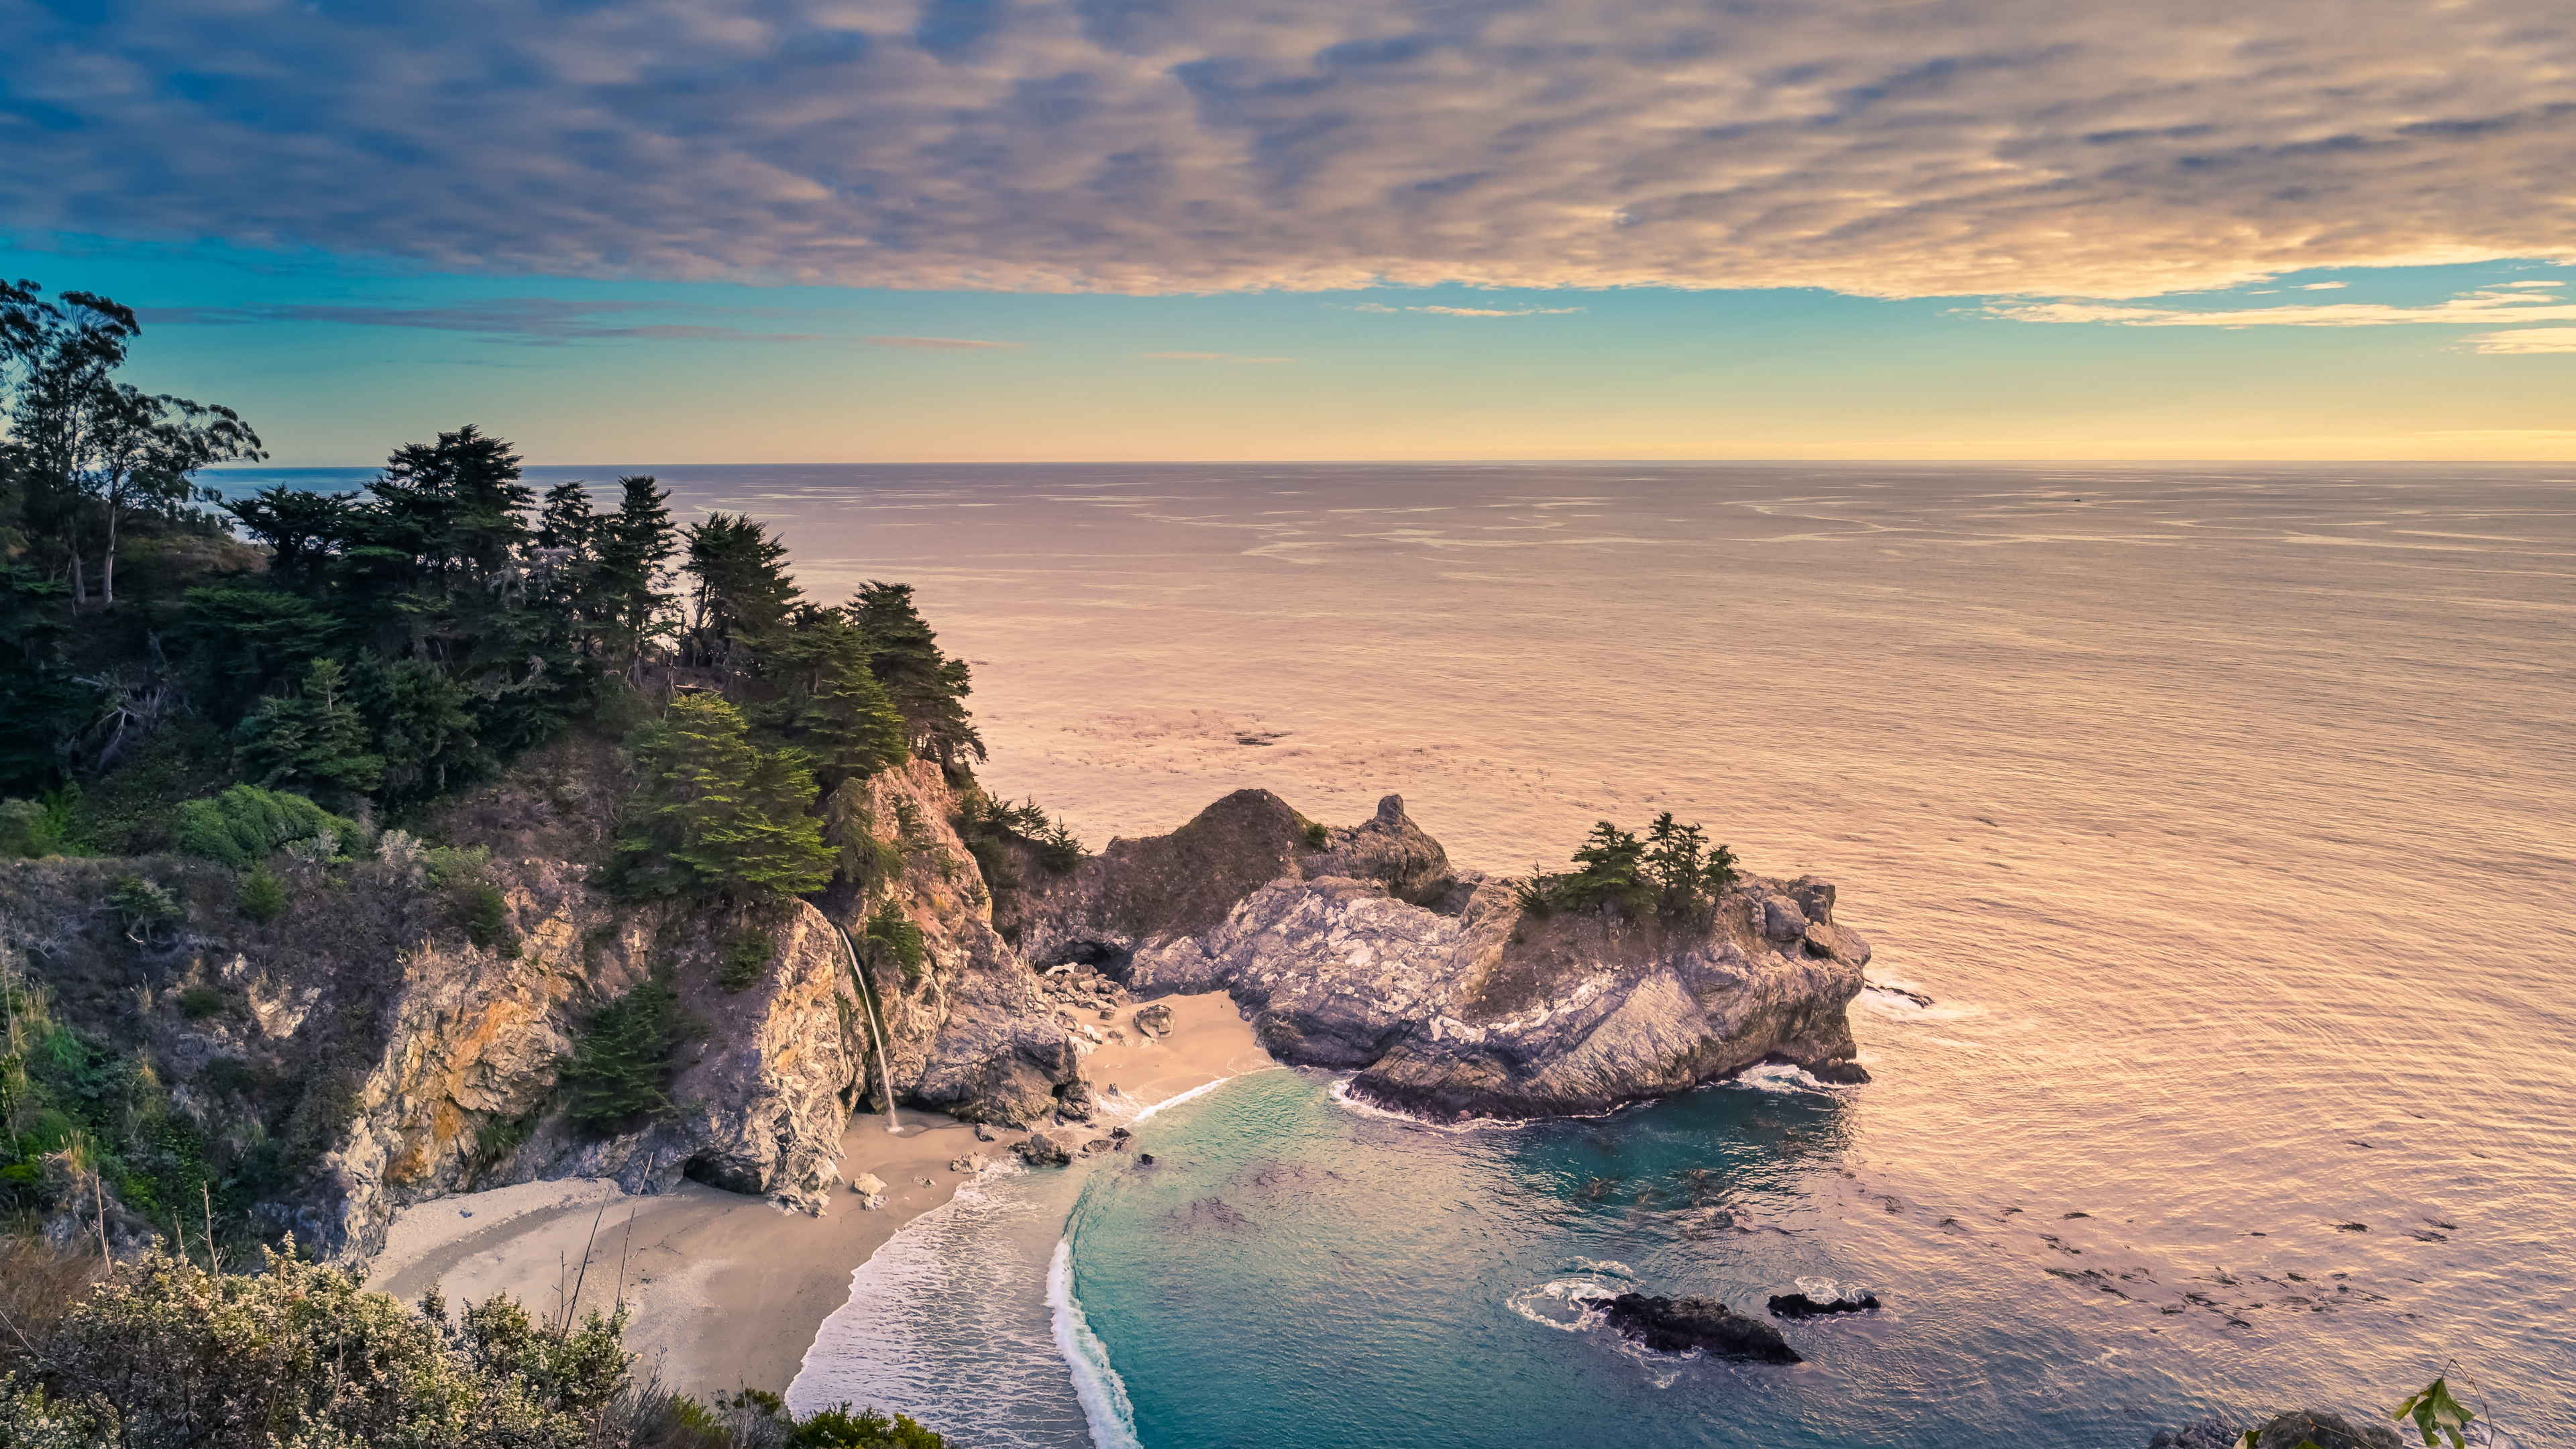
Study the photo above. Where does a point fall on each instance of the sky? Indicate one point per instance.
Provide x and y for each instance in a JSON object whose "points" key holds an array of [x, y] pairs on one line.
{"points": [[1011, 230]]}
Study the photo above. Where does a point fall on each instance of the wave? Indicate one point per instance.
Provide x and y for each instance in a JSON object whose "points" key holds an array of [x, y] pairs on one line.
{"points": [[1553, 1305], [1102, 1393], [1779, 1078], [1349, 1101], [948, 1322]]}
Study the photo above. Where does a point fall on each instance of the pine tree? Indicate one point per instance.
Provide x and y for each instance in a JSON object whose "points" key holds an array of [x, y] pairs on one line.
{"points": [[313, 740], [632, 545], [928, 687], [743, 589], [717, 814], [828, 702]]}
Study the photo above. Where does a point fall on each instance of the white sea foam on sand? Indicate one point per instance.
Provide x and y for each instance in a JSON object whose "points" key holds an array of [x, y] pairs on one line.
{"points": [[1095, 1383]]}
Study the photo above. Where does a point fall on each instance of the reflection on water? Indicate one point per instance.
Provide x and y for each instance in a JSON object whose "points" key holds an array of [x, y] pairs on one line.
{"points": [[2222, 814]]}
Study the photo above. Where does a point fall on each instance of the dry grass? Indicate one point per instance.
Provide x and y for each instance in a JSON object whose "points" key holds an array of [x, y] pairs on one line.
{"points": [[39, 1287]]}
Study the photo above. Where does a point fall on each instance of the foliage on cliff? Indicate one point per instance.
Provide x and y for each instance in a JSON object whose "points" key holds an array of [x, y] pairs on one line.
{"points": [[167, 1353], [1671, 869]]}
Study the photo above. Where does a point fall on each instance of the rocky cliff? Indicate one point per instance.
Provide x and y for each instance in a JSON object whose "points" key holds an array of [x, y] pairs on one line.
{"points": [[1364, 949], [383, 1042]]}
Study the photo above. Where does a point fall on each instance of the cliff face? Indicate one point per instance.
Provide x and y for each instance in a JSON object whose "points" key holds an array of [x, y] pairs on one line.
{"points": [[1372, 953], [364, 1053], [971, 1033]]}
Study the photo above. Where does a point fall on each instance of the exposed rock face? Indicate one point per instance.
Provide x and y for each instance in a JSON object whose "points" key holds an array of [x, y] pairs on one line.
{"points": [[975, 1034], [476, 1039], [1678, 1325], [1374, 954]]}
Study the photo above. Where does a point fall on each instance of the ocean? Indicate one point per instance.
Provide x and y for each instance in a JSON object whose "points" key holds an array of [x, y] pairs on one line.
{"points": [[2224, 815]]}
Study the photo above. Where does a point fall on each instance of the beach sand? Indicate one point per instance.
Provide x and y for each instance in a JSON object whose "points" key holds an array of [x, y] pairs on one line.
{"points": [[726, 1291]]}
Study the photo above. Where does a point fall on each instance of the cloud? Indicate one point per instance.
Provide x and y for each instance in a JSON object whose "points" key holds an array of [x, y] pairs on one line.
{"points": [[2319, 286], [2476, 307], [1965, 147], [527, 321], [943, 344], [1493, 312], [2526, 341]]}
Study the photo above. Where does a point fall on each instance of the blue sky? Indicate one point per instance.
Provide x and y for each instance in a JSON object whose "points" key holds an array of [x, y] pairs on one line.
{"points": [[997, 229]]}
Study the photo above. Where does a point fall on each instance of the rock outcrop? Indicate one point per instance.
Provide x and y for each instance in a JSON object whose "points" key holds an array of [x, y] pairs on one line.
{"points": [[2205, 1433], [2326, 1430], [1370, 952], [1679, 1325]]}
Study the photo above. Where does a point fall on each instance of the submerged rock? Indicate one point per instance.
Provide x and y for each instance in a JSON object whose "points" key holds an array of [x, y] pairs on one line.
{"points": [[1799, 1305], [1678, 1325]]}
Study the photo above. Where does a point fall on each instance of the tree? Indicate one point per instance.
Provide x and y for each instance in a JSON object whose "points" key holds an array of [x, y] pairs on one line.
{"points": [[927, 686], [424, 728], [620, 1067], [828, 702], [743, 590], [717, 814], [631, 547], [1610, 861], [313, 738], [82, 438]]}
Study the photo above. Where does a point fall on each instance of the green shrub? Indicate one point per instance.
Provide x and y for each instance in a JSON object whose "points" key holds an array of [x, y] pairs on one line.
{"points": [[142, 909], [892, 937], [244, 825], [487, 918], [199, 1002], [36, 827], [620, 1067], [746, 959], [1317, 837], [263, 895], [230, 1074], [169, 1353]]}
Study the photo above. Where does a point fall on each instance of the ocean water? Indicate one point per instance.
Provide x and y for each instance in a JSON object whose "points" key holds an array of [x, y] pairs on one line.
{"points": [[2225, 814]]}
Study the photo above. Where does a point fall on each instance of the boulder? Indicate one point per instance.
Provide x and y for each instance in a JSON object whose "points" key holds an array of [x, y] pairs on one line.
{"points": [[970, 1164], [1043, 1149], [1155, 1020], [1782, 920], [868, 1184], [1678, 1325], [2326, 1431]]}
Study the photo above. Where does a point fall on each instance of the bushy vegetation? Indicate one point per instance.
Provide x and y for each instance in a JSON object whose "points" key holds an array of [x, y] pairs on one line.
{"points": [[244, 825], [893, 940], [171, 1354], [1671, 870], [747, 955], [620, 1069], [990, 827]]}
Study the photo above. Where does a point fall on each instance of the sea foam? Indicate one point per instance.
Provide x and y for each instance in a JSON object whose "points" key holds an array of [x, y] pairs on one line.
{"points": [[1095, 1383]]}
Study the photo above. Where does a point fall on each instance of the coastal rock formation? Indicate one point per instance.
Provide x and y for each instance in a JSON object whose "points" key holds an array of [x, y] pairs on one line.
{"points": [[1678, 1325], [1369, 951]]}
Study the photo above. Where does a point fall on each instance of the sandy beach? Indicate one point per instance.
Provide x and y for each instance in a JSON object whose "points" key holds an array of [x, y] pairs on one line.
{"points": [[726, 1291]]}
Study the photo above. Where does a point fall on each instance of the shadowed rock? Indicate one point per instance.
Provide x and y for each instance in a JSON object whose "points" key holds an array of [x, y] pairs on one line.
{"points": [[1678, 1325]]}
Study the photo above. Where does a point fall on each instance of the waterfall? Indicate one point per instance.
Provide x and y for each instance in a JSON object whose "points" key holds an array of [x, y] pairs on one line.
{"points": [[868, 1009]]}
